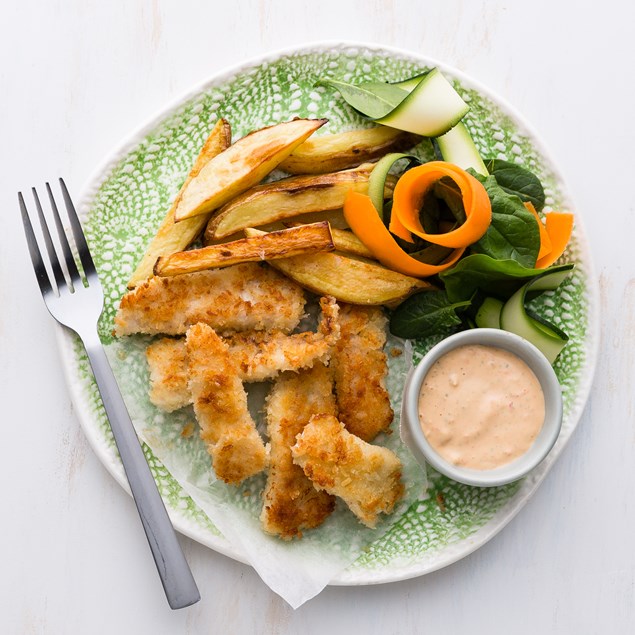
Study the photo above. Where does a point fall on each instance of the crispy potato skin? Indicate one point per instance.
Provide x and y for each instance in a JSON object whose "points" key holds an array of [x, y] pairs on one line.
{"points": [[334, 217], [242, 165], [291, 502], [347, 278], [360, 369], [288, 198], [220, 405], [328, 153], [346, 242], [295, 241], [367, 477], [172, 237]]}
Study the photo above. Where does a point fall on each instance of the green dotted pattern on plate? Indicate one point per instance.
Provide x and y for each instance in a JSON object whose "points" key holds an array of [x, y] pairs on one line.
{"points": [[131, 202]]}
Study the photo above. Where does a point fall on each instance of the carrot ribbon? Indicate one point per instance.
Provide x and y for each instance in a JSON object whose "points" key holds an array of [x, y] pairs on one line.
{"points": [[555, 234], [559, 226], [545, 241], [363, 219]]}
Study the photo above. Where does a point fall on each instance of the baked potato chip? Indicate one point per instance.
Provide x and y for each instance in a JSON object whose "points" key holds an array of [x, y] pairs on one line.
{"points": [[172, 237], [242, 165], [332, 152], [304, 239], [347, 279], [289, 198]]}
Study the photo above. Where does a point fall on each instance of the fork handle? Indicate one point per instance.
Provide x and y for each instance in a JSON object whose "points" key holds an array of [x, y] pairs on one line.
{"points": [[176, 576]]}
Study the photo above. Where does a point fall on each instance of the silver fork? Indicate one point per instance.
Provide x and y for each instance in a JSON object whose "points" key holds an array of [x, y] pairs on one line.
{"points": [[78, 305]]}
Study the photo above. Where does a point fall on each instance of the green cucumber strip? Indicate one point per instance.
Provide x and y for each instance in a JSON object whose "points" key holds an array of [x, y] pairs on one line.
{"points": [[515, 319], [546, 326], [552, 279], [457, 147], [377, 179], [489, 314], [411, 83], [426, 105], [431, 109]]}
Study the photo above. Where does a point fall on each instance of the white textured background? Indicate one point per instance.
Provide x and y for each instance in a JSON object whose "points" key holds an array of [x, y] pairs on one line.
{"points": [[76, 77]]}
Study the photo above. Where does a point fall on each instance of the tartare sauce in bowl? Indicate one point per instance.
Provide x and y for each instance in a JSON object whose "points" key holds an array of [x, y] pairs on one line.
{"points": [[483, 407]]}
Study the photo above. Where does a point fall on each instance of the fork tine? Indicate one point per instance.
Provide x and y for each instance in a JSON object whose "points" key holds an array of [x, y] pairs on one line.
{"points": [[58, 274], [66, 248], [34, 250], [78, 233]]}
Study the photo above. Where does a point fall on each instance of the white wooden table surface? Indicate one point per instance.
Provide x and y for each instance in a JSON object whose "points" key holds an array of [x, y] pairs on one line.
{"points": [[76, 77]]}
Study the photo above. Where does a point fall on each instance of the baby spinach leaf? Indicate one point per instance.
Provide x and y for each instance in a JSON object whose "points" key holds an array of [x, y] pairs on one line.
{"points": [[425, 314], [373, 99], [478, 272], [513, 233], [518, 181]]}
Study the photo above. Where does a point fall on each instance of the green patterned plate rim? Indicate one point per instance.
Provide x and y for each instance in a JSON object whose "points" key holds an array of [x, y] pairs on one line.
{"points": [[454, 520]]}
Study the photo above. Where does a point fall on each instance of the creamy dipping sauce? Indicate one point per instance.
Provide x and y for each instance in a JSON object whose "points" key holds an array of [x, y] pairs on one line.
{"points": [[481, 407]]}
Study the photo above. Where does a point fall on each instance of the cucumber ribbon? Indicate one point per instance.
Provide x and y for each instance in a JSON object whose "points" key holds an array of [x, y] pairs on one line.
{"points": [[426, 104]]}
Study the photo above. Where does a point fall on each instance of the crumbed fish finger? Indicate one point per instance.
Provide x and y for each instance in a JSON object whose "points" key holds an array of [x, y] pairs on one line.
{"points": [[360, 369], [167, 361], [220, 405], [257, 355], [367, 477], [291, 502], [244, 297], [260, 355]]}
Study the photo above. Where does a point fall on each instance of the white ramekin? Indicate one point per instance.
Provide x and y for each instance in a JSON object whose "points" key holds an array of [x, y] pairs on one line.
{"points": [[415, 439]]}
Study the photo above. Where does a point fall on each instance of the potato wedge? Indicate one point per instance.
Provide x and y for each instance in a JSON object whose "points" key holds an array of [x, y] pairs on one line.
{"points": [[172, 237], [332, 152], [242, 165], [346, 242], [296, 241], [334, 217], [348, 279], [288, 198]]}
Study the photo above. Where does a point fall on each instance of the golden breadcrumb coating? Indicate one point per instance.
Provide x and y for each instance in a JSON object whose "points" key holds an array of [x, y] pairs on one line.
{"points": [[291, 502], [257, 355], [220, 404], [240, 298], [360, 369], [167, 360], [367, 477], [260, 355]]}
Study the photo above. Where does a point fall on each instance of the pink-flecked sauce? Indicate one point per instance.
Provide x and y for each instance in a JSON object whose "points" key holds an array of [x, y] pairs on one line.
{"points": [[481, 407]]}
